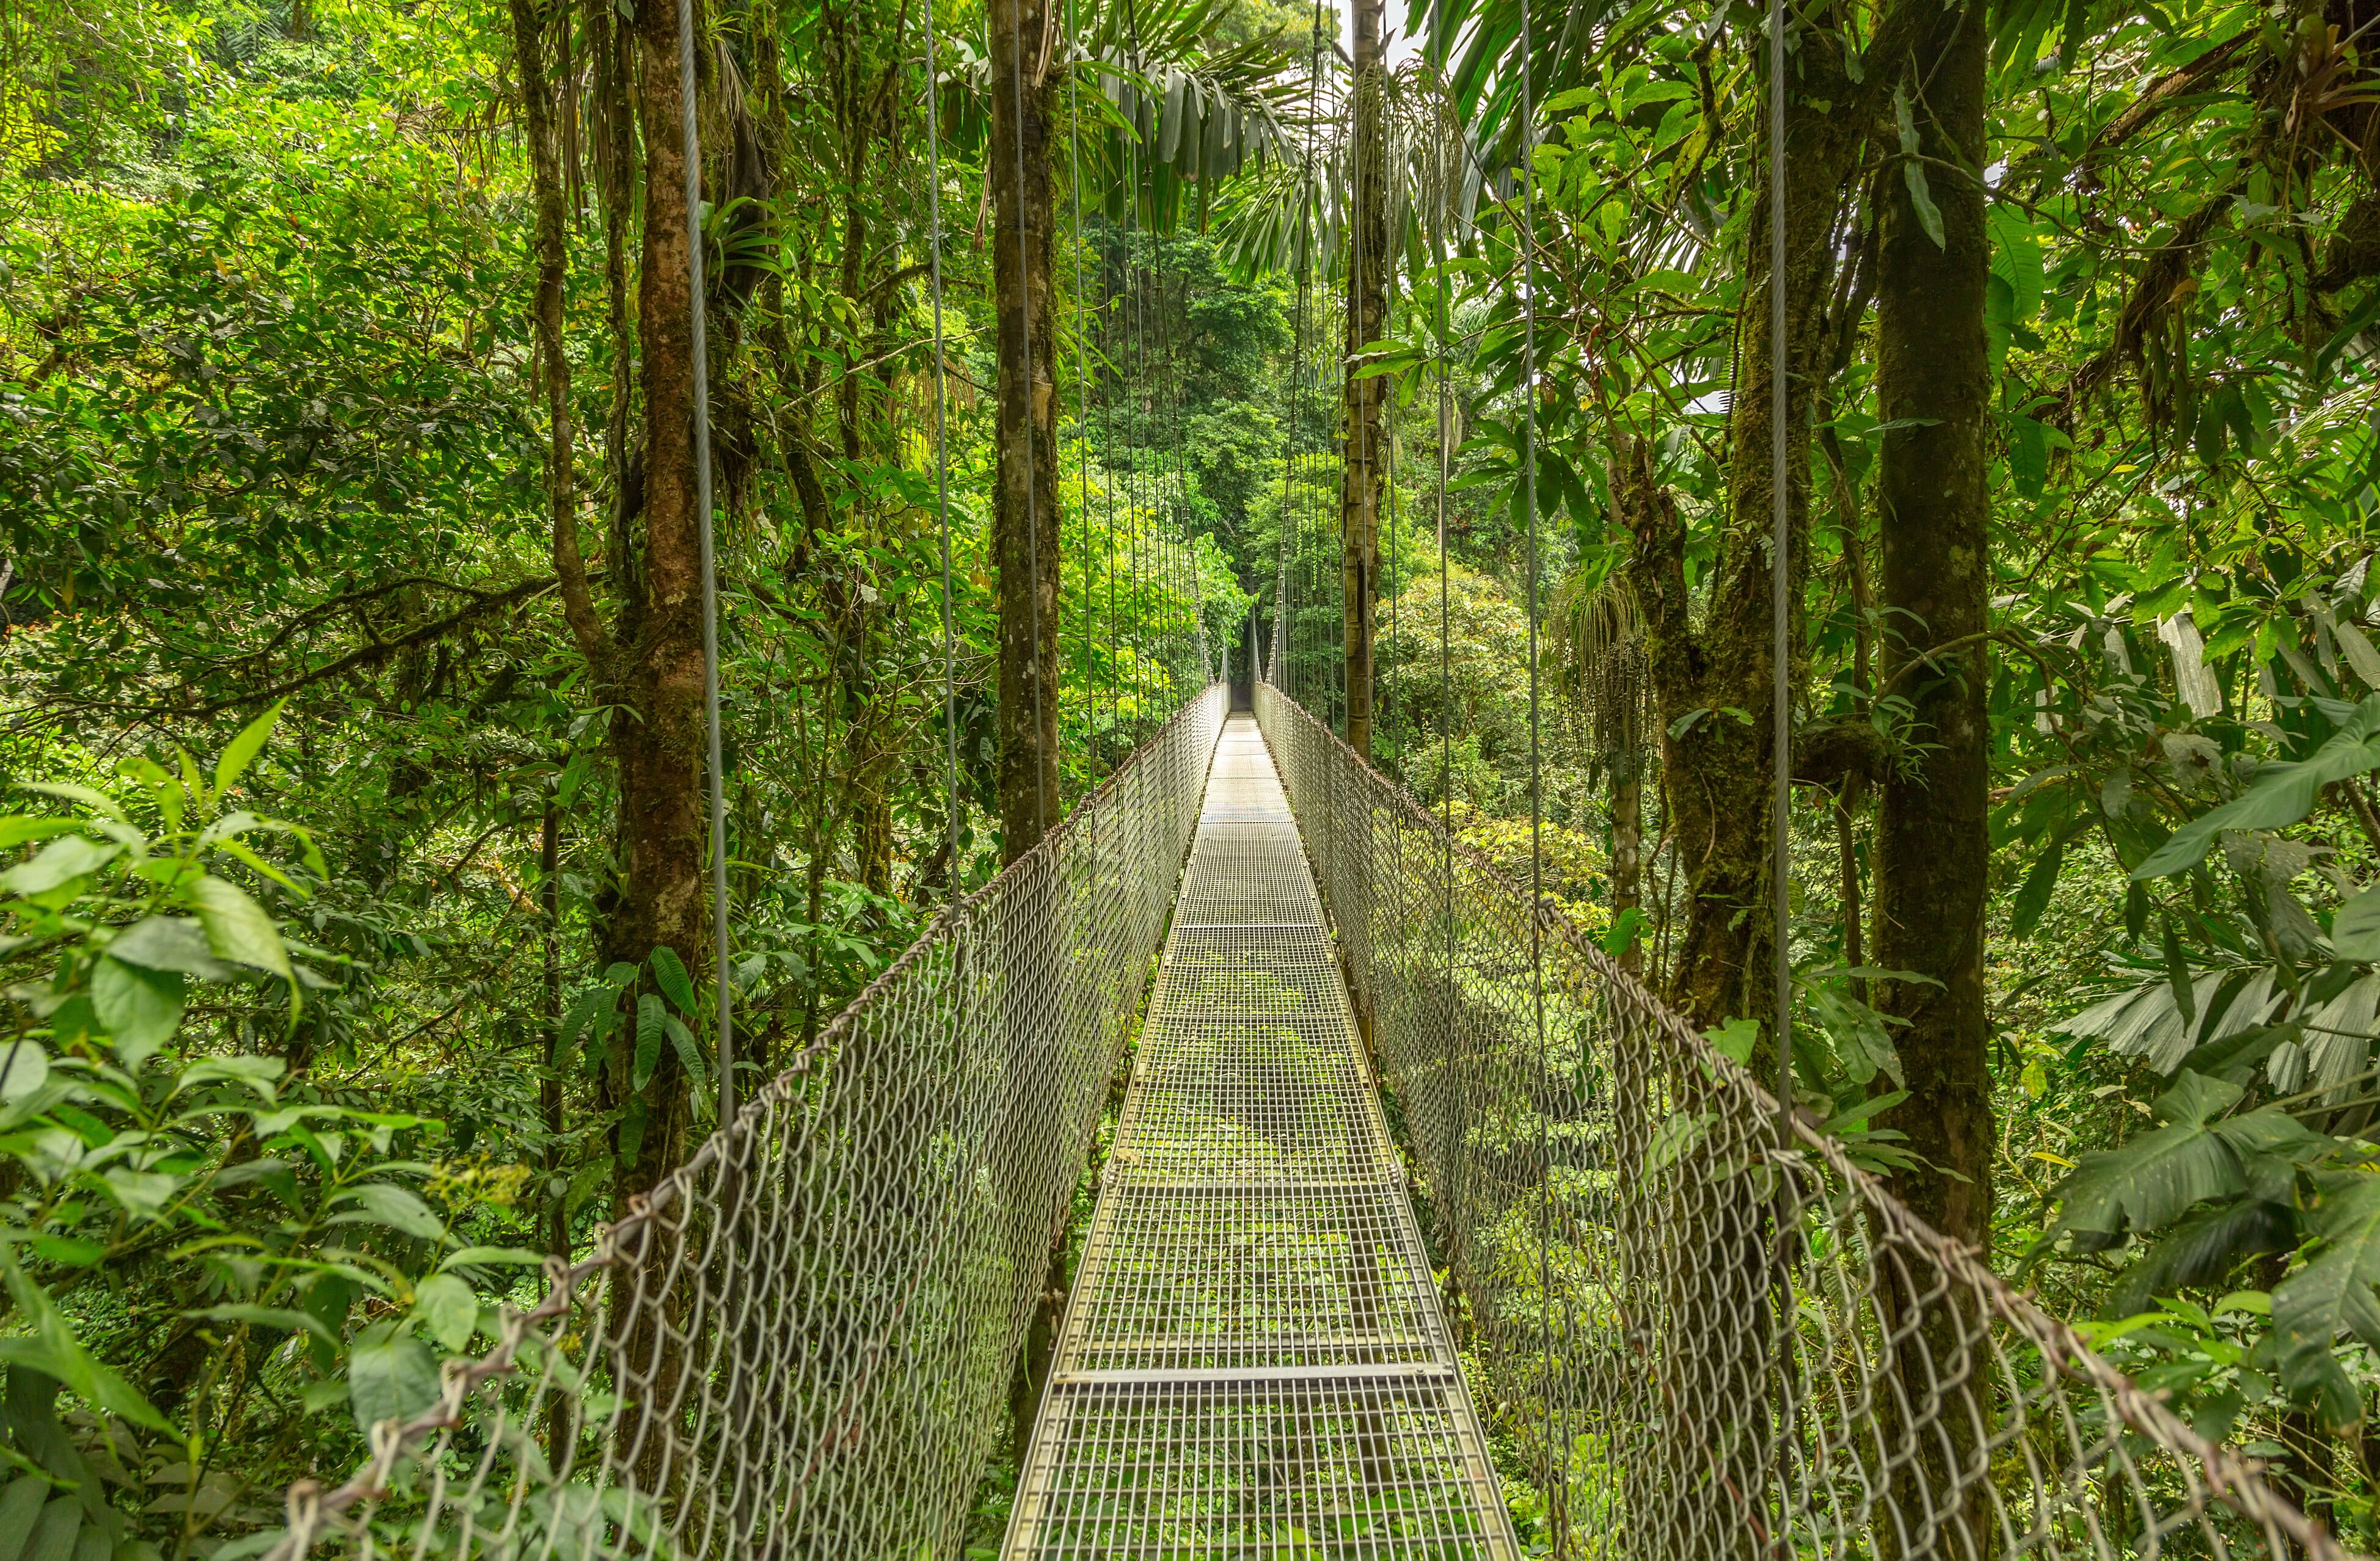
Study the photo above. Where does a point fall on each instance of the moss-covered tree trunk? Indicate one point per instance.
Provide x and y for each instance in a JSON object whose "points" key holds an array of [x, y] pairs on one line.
{"points": [[1361, 479], [1932, 852], [1713, 679], [1025, 545], [1628, 849], [1711, 685], [658, 735], [1024, 517], [1932, 389]]}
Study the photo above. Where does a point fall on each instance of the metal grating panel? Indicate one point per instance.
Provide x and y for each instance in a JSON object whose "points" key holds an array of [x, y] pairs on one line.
{"points": [[1247, 872], [1196, 1275], [1308, 1468], [1254, 1361]]}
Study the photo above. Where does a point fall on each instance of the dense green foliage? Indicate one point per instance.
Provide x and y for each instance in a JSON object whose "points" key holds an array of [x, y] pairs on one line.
{"points": [[320, 1032]]}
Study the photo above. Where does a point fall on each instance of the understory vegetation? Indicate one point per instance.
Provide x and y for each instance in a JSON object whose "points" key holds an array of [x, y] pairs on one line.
{"points": [[357, 942]]}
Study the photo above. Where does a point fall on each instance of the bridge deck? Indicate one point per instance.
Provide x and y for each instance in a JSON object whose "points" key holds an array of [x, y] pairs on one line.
{"points": [[1253, 1360]]}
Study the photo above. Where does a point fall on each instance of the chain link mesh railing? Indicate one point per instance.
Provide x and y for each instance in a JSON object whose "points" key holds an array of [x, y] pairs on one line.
{"points": [[1699, 1340], [801, 1342]]}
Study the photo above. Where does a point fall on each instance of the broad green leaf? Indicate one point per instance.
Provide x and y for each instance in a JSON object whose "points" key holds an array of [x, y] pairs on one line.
{"points": [[2357, 648], [2028, 456], [468, 1257], [140, 1007], [2177, 973], [2278, 796], [1921, 200], [20, 1505], [2033, 894], [175, 943], [21, 829], [2355, 929], [2332, 1295], [391, 1375], [2155, 1177], [449, 1309], [669, 972], [1913, 170], [60, 862], [649, 1032], [2199, 1250], [1677, 1136], [2016, 257], [257, 1072], [1862, 1044], [276, 1317], [385, 1204], [583, 1011], [24, 1068], [1736, 1039], [144, 1195], [92, 800], [689, 1056], [56, 1531], [258, 864], [243, 749], [238, 928], [45, 1342]]}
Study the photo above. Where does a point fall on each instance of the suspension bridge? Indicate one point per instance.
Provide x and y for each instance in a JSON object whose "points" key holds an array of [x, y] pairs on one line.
{"points": [[1419, 1211]]}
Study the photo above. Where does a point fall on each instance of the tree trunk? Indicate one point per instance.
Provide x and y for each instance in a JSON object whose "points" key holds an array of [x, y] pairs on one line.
{"points": [[549, 1088], [658, 735], [1628, 850], [1848, 901], [1024, 542], [1713, 691], [1716, 767], [1932, 852], [1025, 519], [1361, 400], [545, 315], [1932, 387]]}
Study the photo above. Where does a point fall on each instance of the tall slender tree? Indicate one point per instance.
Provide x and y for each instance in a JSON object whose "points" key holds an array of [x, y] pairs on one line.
{"points": [[1363, 399], [1933, 854], [1934, 391], [1025, 503]]}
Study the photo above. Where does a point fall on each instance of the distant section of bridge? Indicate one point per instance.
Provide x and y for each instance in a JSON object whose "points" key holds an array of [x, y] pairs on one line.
{"points": [[1254, 1361]]}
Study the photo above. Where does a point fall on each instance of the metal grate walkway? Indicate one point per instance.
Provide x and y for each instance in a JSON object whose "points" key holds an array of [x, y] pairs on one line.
{"points": [[1253, 1362]]}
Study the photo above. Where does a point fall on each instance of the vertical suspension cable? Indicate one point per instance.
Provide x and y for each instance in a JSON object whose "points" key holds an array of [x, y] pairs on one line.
{"points": [[1387, 409], [1167, 559], [1780, 607], [1445, 618], [1529, 240], [690, 148], [1189, 562], [1081, 406], [1358, 433], [1132, 486], [1109, 315], [942, 452]]}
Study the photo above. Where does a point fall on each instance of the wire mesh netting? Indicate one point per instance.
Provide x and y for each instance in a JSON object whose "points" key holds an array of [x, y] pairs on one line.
{"points": [[1698, 1336], [801, 1342], [1254, 1361]]}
